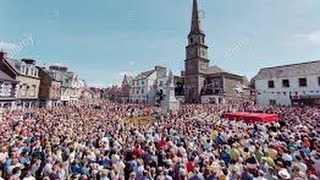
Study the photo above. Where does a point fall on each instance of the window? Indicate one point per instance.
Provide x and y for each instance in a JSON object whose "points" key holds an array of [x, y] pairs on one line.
{"points": [[319, 81], [24, 90], [271, 84], [23, 69], [142, 91], [142, 83], [285, 83], [5, 90], [272, 102], [33, 91], [302, 82], [191, 40], [35, 73]]}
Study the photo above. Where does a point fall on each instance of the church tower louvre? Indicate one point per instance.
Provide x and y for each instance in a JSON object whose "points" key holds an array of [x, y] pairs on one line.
{"points": [[196, 62]]}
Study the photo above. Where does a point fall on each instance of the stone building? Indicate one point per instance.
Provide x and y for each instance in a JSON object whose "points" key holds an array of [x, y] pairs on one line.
{"points": [[50, 89], [29, 82], [204, 83], [8, 84], [224, 87]]}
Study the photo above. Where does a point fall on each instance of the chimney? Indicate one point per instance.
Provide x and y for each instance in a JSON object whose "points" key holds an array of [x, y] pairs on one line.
{"points": [[2, 54], [29, 61], [161, 71]]}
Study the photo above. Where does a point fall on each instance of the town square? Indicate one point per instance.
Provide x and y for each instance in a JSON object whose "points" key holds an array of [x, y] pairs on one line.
{"points": [[186, 119]]}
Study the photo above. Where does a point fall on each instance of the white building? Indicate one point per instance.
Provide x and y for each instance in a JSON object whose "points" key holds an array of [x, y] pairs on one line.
{"points": [[289, 84], [144, 85]]}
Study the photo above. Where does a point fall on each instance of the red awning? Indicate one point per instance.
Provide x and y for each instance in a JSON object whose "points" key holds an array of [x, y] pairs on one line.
{"points": [[251, 117]]}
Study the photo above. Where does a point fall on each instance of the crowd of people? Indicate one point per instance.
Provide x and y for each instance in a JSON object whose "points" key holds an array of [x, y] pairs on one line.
{"points": [[97, 142]]}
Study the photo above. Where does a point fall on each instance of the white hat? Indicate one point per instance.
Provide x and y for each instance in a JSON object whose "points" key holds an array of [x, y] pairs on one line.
{"points": [[286, 157], [283, 173]]}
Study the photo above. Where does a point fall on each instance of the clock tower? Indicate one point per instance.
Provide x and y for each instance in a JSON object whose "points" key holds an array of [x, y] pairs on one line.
{"points": [[196, 63]]}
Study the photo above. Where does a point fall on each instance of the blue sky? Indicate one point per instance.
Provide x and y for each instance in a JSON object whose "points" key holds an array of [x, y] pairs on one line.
{"points": [[103, 39]]}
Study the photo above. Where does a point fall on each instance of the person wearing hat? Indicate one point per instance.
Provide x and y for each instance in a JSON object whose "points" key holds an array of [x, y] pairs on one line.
{"points": [[283, 174]]}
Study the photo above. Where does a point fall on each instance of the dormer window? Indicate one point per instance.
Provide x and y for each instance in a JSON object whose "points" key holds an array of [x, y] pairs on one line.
{"points": [[23, 69]]}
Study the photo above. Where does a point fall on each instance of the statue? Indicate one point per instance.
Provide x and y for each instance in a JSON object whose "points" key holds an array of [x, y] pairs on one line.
{"points": [[169, 103], [170, 79]]}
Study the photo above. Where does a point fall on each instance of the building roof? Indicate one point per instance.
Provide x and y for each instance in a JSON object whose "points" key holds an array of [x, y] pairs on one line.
{"points": [[145, 74], [13, 64], [215, 69], [291, 70], [10, 65], [195, 21], [5, 77], [47, 72]]}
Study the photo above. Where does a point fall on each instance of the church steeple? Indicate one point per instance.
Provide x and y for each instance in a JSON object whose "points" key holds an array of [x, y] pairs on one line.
{"points": [[195, 21], [197, 62]]}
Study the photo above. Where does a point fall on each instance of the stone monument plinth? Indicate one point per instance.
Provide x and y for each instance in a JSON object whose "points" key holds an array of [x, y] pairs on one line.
{"points": [[169, 103]]}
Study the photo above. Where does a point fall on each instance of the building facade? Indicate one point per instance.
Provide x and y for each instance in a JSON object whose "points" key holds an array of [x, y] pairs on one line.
{"points": [[8, 91], [8, 84], [71, 85], [29, 83], [50, 89], [143, 88], [91, 94], [224, 87], [295, 84], [204, 83]]}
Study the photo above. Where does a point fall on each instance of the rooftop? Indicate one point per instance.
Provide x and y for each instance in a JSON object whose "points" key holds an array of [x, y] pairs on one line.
{"points": [[145, 74], [291, 70], [5, 77]]}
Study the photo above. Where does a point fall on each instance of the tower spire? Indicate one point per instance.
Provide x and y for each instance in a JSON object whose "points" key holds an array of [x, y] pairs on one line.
{"points": [[195, 21]]}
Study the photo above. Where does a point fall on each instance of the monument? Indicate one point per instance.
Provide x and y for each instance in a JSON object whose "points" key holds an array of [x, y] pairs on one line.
{"points": [[169, 103]]}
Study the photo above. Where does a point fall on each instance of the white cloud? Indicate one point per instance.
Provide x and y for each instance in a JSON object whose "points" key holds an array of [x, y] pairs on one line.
{"points": [[313, 37]]}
